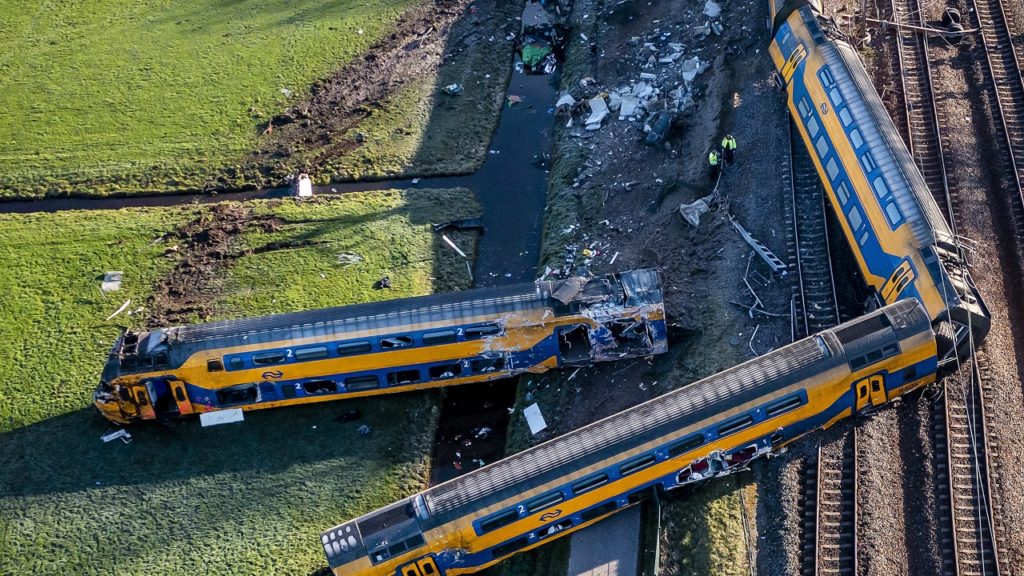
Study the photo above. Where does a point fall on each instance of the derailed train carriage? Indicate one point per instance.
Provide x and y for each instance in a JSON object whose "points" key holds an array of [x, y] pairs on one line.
{"points": [[903, 245], [385, 347], [710, 428]]}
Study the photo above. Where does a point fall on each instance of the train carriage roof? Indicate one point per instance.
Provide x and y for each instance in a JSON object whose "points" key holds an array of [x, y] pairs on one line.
{"points": [[628, 288], [658, 417], [888, 149]]}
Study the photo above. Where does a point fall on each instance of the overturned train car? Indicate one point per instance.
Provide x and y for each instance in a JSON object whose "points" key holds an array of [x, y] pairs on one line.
{"points": [[707, 429], [380, 348], [902, 243]]}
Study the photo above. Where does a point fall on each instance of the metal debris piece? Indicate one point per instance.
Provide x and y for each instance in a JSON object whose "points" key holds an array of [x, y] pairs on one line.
{"points": [[119, 310], [111, 281], [461, 224], [453, 89], [346, 259], [121, 435], [712, 9], [694, 210], [767, 255], [598, 111], [534, 418], [449, 242]]}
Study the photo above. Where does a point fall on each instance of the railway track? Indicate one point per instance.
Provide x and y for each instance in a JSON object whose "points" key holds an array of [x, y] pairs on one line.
{"points": [[829, 506], [1004, 70], [830, 509], [969, 542], [814, 303]]}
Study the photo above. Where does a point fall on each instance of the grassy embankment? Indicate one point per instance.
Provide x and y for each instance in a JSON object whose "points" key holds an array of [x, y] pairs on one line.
{"points": [[116, 97], [249, 498]]}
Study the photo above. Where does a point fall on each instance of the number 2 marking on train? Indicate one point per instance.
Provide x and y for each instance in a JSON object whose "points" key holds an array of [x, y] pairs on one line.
{"points": [[521, 509]]}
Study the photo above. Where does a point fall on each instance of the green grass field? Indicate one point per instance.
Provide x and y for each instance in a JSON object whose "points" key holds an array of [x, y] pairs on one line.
{"points": [[246, 498], [110, 92]]}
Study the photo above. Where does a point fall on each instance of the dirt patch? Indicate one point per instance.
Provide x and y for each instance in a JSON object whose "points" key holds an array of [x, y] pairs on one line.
{"points": [[203, 248]]}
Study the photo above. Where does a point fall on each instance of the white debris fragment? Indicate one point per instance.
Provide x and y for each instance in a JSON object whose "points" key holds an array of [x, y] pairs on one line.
{"points": [[534, 418], [121, 434], [648, 76], [119, 310], [452, 244], [348, 259], [712, 9], [629, 106], [691, 68], [598, 111], [111, 281]]}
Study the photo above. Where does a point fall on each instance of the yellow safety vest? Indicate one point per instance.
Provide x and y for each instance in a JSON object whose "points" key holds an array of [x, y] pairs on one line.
{"points": [[713, 159], [729, 143]]}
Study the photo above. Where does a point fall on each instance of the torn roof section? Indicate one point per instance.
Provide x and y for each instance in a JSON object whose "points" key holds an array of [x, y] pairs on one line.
{"points": [[633, 288]]}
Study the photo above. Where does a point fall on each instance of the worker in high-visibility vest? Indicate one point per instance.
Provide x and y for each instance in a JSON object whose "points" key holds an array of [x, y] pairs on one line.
{"points": [[729, 145], [714, 163]]}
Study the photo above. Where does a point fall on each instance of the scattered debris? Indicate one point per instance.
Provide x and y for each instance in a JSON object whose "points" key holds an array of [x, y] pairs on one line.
{"points": [[121, 434], [712, 9], [598, 111], [694, 210], [449, 242], [692, 67], [112, 281], [461, 224], [657, 128], [346, 259], [219, 417], [453, 89], [534, 418], [364, 430], [383, 283], [119, 310], [767, 255]]}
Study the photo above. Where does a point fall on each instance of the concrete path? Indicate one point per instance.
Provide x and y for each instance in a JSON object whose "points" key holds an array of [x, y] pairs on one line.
{"points": [[608, 548]]}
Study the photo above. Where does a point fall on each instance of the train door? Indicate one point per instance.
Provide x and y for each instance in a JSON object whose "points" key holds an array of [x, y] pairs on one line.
{"points": [[181, 397], [869, 393], [422, 567]]}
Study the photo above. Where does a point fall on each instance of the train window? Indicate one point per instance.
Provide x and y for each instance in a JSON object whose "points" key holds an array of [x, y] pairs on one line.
{"points": [[894, 214], [509, 548], [881, 190], [236, 363], [826, 77], [395, 342], [835, 97], [445, 337], [403, 377], [245, 394], [685, 445], [813, 127], [856, 138], [268, 358], [910, 374], [428, 569], [214, 365], [864, 238], [477, 332], [832, 168], [845, 117], [483, 365], [445, 370], [350, 348], [783, 406], [554, 528], [805, 108], [589, 483], [598, 511], [843, 193], [868, 162], [303, 354], [541, 502], [856, 220], [354, 383], [179, 393], [822, 146], [288, 390], [498, 520], [735, 425], [874, 356], [320, 387], [637, 464]]}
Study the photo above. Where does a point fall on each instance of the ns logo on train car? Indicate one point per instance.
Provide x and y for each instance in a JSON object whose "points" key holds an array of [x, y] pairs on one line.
{"points": [[902, 276]]}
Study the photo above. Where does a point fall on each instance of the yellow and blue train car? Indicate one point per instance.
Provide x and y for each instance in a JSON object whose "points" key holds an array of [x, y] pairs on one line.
{"points": [[898, 235], [384, 347], [710, 428]]}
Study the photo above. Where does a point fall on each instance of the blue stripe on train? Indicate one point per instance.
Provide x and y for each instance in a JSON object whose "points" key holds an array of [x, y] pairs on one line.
{"points": [[448, 559], [274, 390]]}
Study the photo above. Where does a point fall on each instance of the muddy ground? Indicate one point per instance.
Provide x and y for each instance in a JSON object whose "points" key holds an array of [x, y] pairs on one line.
{"points": [[612, 194]]}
